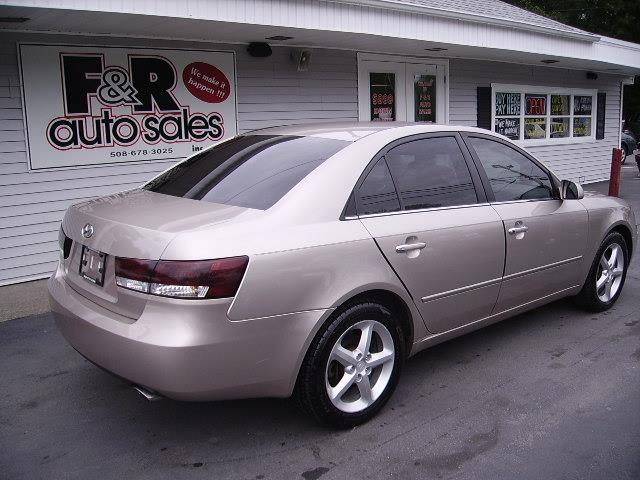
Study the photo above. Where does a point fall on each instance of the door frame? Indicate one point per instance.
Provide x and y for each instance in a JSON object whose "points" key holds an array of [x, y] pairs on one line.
{"points": [[363, 97]]}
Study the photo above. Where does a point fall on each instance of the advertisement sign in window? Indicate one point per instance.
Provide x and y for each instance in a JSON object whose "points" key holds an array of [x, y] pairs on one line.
{"points": [[507, 104], [425, 98], [559, 127], [382, 88], [535, 128], [535, 104], [560, 104], [509, 127], [582, 104], [100, 105], [582, 126]]}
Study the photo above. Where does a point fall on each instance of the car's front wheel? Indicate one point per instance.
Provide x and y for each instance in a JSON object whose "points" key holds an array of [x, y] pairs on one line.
{"points": [[607, 274], [352, 366]]}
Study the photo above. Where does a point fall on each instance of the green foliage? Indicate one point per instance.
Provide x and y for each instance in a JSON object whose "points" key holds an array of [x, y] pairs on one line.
{"points": [[612, 18]]}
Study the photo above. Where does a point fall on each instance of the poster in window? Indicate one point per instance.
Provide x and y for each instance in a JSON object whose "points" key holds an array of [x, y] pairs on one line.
{"points": [[535, 128], [535, 104], [382, 88], [560, 104], [559, 127], [582, 126], [582, 104], [509, 127], [425, 98], [507, 104], [96, 105]]}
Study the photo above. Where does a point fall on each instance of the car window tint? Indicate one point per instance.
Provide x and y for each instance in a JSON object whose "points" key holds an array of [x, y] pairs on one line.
{"points": [[431, 172], [377, 193], [512, 175], [252, 171]]}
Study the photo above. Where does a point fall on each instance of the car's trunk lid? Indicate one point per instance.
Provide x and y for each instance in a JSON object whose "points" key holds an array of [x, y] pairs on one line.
{"points": [[133, 224]]}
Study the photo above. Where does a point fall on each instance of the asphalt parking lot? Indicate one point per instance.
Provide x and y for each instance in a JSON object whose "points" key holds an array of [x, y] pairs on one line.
{"points": [[554, 393]]}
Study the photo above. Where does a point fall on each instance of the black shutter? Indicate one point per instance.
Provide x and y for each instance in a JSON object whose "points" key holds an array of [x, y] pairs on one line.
{"points": [[600, 115], [484, 107]]}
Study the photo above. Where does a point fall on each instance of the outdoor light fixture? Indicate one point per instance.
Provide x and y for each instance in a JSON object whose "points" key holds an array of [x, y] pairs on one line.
{"points": [[549, 60], [279, 38], [435, 49], [13, 19], [259, 49]]}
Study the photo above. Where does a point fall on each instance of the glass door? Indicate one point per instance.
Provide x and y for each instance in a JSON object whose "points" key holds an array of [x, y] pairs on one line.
{"points": [[426, 100], [394, 91]]}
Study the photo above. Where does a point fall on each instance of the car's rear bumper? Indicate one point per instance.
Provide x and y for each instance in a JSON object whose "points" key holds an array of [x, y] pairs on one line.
{"points": [[187, 350]]}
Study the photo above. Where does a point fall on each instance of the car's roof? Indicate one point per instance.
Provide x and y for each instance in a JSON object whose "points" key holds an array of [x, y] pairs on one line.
{"points": [[353, 131]]}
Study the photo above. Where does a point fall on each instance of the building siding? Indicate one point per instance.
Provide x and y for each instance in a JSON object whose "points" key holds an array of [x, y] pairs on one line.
{"points": [[583, 162], [270, 92]]}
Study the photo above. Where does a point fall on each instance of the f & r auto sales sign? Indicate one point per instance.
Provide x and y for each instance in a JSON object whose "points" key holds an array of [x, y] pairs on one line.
{"points": [[99, 105]]}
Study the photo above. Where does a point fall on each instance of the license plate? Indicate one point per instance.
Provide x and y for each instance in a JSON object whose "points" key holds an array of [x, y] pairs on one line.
{"points": [[92, 266]]}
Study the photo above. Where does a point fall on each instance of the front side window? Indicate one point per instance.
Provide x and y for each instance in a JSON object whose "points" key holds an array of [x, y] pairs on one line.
{"points": [[253, 171], [430, 173], [512, 175]]}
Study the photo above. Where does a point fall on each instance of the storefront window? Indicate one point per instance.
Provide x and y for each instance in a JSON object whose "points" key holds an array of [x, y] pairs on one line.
{"points": [[542, 113], [382, 87]]}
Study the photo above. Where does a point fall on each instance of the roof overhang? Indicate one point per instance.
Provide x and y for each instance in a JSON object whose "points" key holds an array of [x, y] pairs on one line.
{"points": [[382, 26]]}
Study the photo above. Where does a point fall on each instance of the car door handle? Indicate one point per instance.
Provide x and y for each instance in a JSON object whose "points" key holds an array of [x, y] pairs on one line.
{"points": [[517, 230], [407, 247]]}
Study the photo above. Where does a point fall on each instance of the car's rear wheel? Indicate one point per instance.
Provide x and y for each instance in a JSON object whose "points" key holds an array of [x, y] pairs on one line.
{"points": [[352, 366], [607, 275]]}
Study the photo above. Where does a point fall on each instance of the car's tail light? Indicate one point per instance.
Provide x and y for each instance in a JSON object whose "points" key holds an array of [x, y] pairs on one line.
{"points": [[65, 243], [182, 279]]}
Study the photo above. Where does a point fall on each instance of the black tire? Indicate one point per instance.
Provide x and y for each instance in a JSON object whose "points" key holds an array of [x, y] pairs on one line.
{"points": [[311, 390], [588, 297], [626, 153]]}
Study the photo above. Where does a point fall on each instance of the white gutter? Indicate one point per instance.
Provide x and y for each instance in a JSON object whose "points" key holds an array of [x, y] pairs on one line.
{"points": [[454, 14]]}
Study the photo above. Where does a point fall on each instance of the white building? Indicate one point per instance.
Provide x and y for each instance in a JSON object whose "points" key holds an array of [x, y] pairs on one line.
{"points": [[97, 96]]}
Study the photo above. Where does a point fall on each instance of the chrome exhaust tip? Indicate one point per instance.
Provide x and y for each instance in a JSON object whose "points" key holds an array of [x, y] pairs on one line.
{"points": [[148, 394]]}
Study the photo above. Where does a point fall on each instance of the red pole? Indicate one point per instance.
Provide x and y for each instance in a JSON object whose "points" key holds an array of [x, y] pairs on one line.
{"points": [[616, 170]]}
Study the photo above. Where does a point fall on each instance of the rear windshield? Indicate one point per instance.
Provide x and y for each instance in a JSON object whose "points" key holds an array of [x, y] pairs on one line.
{"points": [[252, 171]]}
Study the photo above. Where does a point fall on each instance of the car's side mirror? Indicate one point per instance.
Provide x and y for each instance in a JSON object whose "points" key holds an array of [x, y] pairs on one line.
{"points": [[571, 190]]}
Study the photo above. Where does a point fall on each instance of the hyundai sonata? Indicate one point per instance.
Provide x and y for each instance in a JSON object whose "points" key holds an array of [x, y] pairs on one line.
{"points": [[312, 261]]}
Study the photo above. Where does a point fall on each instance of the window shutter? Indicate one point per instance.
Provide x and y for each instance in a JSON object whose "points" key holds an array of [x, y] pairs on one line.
{"points": [[484, 107], [600, 115]]}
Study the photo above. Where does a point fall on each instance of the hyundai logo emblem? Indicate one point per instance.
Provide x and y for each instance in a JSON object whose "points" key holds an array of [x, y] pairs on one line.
{"points": [[87, 230]]}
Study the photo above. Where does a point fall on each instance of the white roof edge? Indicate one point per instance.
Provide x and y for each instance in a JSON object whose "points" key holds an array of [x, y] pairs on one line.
{"points": [[474, 17], [620, 43]]}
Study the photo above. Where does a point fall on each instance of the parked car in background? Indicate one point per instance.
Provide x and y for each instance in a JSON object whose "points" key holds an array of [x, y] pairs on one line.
{"points": [[313, 260], [628, 143], [632, 124]]}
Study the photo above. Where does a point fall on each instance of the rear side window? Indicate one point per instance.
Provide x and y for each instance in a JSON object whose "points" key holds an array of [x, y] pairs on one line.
{"points": [[253, 171], [431, 172], [377, 193], [512, 175]]}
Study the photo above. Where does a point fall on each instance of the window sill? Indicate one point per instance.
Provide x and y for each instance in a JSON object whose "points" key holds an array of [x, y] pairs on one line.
{"points": [[554, 141]]}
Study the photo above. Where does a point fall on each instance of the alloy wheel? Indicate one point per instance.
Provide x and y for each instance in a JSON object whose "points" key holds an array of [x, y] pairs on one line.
{"points": [[610, 271], [360, 366]]}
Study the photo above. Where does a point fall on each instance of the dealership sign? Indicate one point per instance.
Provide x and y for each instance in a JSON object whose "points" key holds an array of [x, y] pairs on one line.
{"points": [[98, 105]]}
